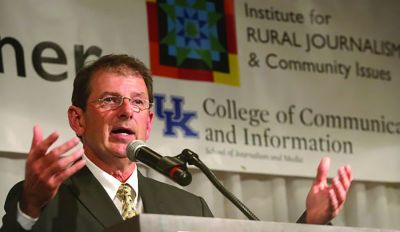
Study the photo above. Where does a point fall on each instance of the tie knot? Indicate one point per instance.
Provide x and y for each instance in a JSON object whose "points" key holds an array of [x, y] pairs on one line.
{"points": [[125, 191]]}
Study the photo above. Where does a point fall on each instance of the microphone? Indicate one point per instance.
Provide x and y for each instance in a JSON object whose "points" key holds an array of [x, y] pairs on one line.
{"points": [[171, 167]]}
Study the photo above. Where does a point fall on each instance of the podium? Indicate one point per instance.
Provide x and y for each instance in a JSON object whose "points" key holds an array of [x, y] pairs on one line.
{"points": [[169, 223]]}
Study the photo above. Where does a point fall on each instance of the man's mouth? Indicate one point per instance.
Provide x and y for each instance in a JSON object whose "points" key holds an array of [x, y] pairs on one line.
{"points": [[122, 131]]}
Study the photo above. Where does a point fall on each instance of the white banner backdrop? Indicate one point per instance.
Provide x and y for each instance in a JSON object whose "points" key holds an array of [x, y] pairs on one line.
{"points": [[316, 78]]}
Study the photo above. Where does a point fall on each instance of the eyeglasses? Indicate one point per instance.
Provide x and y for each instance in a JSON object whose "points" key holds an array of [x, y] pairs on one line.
{"points": [[113, 102]]}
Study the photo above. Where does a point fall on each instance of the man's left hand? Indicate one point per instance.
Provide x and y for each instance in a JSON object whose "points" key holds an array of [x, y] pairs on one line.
{"points": [[325, 201]]}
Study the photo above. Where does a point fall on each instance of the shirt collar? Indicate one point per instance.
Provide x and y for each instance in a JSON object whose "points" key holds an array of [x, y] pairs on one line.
{"points": [[110, 183]]}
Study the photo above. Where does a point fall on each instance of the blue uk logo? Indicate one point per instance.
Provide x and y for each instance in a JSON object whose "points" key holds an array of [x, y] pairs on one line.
{"points": [[176, 118]]}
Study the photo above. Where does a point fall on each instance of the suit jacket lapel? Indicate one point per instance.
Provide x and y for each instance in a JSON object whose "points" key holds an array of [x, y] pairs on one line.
{"points": [[93, 196], [152, 198]]}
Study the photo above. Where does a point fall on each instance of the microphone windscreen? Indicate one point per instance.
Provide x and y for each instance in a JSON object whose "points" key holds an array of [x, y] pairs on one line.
{"points": [[133, 147]]}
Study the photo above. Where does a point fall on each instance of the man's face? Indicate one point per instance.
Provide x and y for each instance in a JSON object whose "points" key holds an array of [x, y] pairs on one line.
{"points": [[106, 133]]}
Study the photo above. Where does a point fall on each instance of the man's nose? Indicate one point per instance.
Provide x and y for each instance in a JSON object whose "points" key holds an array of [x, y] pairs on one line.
{"points": [[126, 110]]}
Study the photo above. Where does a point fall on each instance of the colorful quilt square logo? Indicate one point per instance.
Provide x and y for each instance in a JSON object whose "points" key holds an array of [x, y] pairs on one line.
{"points": [[193, 40]]}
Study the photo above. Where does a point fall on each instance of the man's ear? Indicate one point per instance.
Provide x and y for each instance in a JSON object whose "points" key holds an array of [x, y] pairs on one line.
{"points": [[149, 123], [76, 120]]}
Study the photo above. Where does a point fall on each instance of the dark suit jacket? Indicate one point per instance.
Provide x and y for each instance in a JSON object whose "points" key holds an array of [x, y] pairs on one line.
{"points": [[83, 205]]}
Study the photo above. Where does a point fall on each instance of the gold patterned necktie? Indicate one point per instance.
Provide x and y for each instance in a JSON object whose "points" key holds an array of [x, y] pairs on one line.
{"points": [[126, 194]]}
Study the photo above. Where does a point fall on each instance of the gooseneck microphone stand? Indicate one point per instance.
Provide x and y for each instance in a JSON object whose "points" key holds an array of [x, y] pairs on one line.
{"points": [[192, 158]]}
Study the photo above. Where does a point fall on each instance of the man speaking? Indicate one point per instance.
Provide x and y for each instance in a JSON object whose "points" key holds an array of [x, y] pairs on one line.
{"points": [[98, 186]]}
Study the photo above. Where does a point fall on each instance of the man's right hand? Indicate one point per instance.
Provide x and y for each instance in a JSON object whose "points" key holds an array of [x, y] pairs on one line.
{"points": [[46, 170]]}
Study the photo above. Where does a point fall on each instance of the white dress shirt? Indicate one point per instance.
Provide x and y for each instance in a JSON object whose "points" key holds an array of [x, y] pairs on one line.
{"points": [[111, 185]]}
